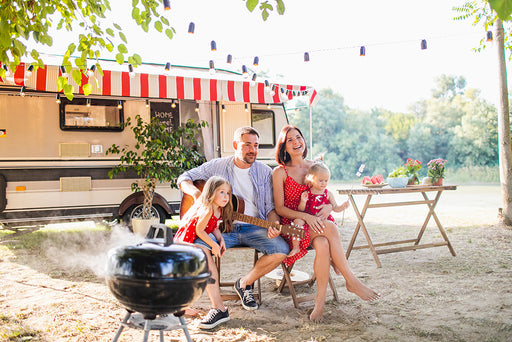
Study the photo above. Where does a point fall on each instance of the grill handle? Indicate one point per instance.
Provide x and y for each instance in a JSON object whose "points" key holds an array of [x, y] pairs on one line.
{"points": [[160, 230]]}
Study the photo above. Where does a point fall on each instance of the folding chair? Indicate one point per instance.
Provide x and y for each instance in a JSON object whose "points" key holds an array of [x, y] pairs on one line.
{"points": [[234, 296], [287, 281]]}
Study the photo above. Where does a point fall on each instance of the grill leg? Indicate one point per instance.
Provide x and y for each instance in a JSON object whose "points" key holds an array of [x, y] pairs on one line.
{"points": [[147, 328], [121, 326], [185, 329]]}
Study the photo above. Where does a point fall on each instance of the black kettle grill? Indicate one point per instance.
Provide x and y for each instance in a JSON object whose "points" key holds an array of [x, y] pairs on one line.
{"points": [[157, 276]]}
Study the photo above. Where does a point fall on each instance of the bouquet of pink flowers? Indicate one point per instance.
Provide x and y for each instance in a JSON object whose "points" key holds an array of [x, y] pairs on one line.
{"points": [[412, 167], [436, 169]]}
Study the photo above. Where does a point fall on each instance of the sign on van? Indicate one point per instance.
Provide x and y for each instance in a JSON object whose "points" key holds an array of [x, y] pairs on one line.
{"points": [[167, 115]]}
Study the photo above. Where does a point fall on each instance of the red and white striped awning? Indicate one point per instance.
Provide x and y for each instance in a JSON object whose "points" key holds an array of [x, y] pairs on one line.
{"points": [[144, 85]]}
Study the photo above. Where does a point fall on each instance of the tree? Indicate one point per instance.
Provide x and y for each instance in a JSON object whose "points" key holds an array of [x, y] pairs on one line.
{"points": [[480, 14], [23, 21]]}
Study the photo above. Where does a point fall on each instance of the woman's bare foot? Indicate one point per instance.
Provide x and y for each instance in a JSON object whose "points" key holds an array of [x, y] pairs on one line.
{"points": [[361, 290], [294, 251], [317, 315]]}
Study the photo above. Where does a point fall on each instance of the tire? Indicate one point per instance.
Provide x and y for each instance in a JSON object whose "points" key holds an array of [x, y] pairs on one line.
{"points": [[135, 212]]}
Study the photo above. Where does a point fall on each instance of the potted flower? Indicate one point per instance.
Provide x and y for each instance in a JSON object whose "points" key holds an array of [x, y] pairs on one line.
{"points": [[436, 170], [413, 166], [159, 155]]}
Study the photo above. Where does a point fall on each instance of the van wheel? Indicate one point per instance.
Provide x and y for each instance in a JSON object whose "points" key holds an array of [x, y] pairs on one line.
{"points": [[135, 211]]}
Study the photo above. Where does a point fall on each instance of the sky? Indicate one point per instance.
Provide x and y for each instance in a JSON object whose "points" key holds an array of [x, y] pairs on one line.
{"points": [[394, 74]]}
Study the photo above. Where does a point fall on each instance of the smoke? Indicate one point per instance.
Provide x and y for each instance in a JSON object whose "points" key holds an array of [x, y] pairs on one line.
{"points": [[87, 250]]}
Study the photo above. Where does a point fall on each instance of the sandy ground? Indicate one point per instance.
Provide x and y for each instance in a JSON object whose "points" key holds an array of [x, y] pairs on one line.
{"points": [[50, 292]]}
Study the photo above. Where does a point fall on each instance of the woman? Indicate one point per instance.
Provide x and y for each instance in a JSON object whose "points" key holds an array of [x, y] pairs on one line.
{"points": [[289, 182]]}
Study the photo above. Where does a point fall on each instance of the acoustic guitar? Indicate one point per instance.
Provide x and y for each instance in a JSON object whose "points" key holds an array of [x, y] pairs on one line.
{"points": [[238, 214]]}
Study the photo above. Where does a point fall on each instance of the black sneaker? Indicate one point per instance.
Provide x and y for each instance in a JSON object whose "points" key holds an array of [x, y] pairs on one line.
{"points": [[214, 318], [246, 296]]}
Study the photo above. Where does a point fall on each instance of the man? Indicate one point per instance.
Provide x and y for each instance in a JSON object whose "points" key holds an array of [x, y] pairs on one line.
{"points": [[251, 181]]}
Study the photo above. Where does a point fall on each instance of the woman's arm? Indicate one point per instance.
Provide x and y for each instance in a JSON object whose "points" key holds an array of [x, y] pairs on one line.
{"points": [[278, 179]]}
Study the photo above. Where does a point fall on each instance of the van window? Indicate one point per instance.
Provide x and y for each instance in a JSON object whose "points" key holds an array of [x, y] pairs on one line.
{"points": [[91, 114], [263, 121]]}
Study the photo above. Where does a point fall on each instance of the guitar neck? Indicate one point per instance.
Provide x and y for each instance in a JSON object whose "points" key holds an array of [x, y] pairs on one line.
{"points": [[254, 220]]}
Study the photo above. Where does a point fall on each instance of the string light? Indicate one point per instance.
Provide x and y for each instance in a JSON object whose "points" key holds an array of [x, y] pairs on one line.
{"points": [[57, 98], [63, 71], [213, 45], [268, 105], [167, 5], [229, 59], [223, 108], [91, 70], [489, 36], [191, 28], [244, 71], [131, 73], [173, 104], [147, 103], [167, 66], [30, 70], [197, 108], [423, 44], [88, 102], [362, 51], [246, 107], [306, 56], [212, 68], [253, 80], [119, 104], [256, 61], [22, 91]]}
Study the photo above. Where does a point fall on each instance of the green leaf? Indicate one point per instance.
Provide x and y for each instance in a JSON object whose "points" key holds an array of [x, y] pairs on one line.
{"points": [[251, 4], [123, 37], [77, 76], [134, 3], [61, 82], [122, 48], [164, 20], [158, 26], [280, 7], [87, 89], [109, 47], [502, 7], [68, 91], [169, 33], [117, 27], [110, 32], [120, 58]]}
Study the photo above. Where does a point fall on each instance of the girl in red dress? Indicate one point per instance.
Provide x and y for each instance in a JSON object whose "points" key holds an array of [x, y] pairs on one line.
{"points": [[212, 208], [311, 199]]}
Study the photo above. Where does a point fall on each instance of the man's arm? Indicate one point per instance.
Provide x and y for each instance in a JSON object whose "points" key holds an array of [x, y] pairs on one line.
{"points": [[188, 187]]}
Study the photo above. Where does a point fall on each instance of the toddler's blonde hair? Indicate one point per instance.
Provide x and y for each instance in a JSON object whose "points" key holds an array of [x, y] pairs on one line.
{"points": [[314, 170]]}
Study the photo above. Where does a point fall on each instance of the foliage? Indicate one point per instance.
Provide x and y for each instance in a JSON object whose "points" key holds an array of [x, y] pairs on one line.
{"points": [[400, 171], [158, 155], [454, 124], [436, 169], [30, 21]]}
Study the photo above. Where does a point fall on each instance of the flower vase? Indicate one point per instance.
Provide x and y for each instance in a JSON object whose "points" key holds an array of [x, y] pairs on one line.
{"points": [[412, 180], [438, 182]]}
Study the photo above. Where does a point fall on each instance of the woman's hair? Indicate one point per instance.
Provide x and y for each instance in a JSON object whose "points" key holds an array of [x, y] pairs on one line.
{"points": [[205, 202], [282, 157], [314, 170]]}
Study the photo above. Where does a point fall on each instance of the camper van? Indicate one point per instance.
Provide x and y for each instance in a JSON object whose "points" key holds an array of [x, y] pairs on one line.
{"points": [[53, 165]]}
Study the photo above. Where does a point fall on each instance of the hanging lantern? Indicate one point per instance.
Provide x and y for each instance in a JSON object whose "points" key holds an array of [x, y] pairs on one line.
{"points": [[30, 70], [362, 51], [229, 59], [167, 5], [213, 45], [489, 36], [256, 61], [212, 67], [423, 44], [91, 70], [191, 28], [306, 56], [167, 66]]}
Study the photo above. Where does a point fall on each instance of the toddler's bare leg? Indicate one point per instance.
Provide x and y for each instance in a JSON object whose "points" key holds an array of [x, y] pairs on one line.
{"points": [[295, 242]]}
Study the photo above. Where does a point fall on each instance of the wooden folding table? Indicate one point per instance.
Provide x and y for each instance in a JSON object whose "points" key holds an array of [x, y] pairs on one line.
{"points": [[375, 247]]}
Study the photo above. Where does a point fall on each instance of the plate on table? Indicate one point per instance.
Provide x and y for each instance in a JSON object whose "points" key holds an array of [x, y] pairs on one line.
{"points": [[375, 186]]}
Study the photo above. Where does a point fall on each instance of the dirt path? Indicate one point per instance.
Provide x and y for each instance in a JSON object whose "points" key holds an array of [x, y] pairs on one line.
{"points": [[428, 295]]}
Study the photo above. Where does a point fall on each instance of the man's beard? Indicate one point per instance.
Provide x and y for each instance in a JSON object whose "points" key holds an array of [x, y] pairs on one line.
{"points": [[249, 158]]}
